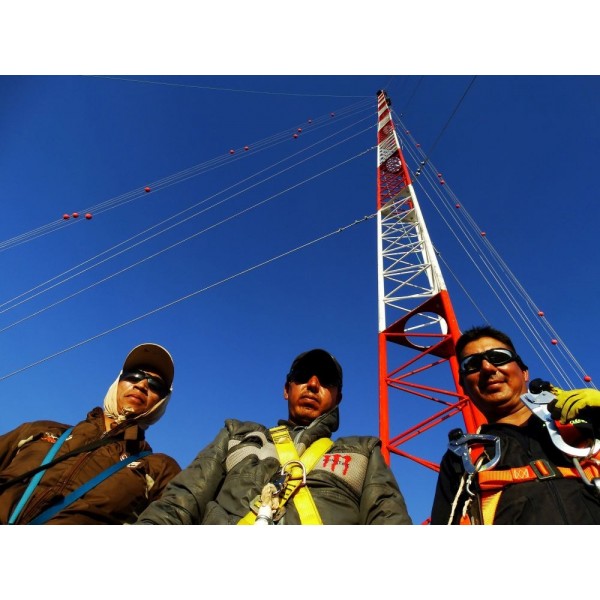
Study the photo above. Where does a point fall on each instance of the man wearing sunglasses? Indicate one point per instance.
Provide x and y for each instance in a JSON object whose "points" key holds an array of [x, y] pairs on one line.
{"points": [[102, 470], [290, 474], [533, 482]]}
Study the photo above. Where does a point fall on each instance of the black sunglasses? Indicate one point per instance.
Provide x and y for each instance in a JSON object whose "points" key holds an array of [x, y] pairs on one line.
{"points": [[495, 356], [156, 384], [326, 379]]}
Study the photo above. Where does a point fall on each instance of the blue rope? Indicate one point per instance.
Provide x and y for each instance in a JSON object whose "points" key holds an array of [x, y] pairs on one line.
{"points": [[36, 479], [86, 487]]}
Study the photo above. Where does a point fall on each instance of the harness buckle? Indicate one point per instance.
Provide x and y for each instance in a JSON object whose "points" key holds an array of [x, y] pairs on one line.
{"points": [[280, 481], [594, 483], [551, 472], [297, 463]]}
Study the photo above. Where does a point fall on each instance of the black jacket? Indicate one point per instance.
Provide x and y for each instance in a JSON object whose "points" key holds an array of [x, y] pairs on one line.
{"points": [[540, 502]]}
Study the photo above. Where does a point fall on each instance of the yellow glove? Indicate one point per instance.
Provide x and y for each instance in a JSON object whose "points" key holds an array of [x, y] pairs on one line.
{"points": [[574, 404]]}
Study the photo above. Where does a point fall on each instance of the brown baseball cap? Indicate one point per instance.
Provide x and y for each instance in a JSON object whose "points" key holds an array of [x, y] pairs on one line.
{"points": [[152, 356]]}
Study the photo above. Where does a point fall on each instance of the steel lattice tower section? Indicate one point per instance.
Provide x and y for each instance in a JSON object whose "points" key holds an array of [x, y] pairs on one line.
{"points": [[418, 329]]}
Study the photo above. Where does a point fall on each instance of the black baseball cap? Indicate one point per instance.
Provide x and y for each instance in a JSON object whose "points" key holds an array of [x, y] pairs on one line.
{"points": [[316, 362]]}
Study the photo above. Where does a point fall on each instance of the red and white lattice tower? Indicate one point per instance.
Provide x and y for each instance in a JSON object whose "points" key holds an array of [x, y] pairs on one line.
{"points": [[418, 329]]}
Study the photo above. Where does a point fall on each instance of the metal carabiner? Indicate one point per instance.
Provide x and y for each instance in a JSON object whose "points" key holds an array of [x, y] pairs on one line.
{"points": [[279, 482], [538, 405], [289, 474], [460, 446]]}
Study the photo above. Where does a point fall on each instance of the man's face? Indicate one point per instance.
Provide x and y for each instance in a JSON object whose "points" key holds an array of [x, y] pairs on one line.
{"points": [[135, 395], [495, 391], [309, 400]]}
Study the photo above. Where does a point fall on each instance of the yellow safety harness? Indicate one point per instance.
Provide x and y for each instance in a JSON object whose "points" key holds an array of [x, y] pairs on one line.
{"points": [[291, 481]]}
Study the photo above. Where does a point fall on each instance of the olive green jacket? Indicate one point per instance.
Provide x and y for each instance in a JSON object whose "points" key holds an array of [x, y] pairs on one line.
{"points": [[350, 485]]}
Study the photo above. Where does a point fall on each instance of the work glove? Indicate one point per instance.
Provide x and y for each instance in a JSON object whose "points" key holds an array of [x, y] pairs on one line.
{"points": [[575, 404]]}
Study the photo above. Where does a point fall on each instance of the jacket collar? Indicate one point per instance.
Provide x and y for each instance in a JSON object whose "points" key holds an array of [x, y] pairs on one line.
{"points": [[322, 426], [127, 430]]}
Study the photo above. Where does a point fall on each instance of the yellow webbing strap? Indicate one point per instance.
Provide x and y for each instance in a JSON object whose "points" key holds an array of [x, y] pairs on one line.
{"points": [[286, 451], [248, 519], [489, 503]]}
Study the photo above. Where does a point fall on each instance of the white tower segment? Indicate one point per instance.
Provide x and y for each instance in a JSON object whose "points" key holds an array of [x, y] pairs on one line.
{"points": [[408, 270], [414, 308]]}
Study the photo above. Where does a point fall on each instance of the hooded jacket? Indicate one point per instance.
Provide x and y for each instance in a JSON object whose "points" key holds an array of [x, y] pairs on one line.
{"points": [[117, 500], [350, 485]]}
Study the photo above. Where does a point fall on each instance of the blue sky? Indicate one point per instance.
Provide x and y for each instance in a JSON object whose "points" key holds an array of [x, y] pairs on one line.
{"points": [[519, 153]]}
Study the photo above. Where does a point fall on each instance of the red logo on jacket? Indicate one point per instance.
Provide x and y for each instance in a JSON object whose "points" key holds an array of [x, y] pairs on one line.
{"points": [[337, 460]]}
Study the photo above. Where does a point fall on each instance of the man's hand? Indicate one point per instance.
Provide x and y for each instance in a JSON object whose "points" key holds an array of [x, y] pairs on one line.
{"points": [[575, 404]]}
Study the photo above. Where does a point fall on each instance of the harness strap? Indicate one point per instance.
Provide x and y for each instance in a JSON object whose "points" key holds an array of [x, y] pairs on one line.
{"points": [[537, 469], [286, 452], [492, 482], [86, 487], [303, 500], [36, 479], [489, 504]]}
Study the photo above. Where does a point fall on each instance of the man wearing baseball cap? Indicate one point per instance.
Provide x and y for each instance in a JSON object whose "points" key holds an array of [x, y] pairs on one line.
{"points": [[290, 474], [102, 470]]}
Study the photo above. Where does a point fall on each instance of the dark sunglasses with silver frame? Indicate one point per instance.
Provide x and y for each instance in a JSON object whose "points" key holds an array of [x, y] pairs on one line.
{"points": [[156, 384], [495, 356], [327, 377]]}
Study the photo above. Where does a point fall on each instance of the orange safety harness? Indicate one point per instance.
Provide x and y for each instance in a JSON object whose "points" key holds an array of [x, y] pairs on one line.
{"points": [[492, 482]]}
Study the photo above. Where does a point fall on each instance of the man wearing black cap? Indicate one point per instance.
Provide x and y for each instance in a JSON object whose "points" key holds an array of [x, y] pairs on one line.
{"points": [[102, 470], [291, 474]]}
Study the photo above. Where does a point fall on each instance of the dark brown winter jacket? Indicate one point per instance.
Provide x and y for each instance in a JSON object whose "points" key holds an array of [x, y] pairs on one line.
{"points": [[117, 500]]}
